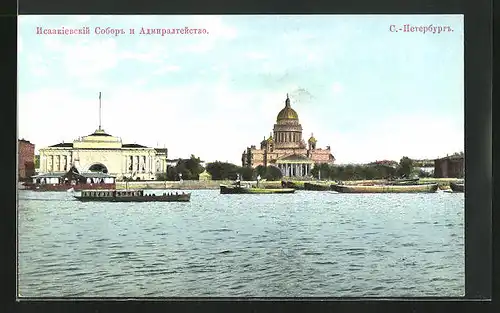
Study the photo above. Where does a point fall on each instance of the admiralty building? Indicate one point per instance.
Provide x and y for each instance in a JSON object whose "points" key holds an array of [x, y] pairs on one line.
{"points": [[102, 152]]}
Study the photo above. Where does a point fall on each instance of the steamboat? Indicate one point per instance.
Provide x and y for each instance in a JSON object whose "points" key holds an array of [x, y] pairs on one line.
{"points": [[138, 195]]}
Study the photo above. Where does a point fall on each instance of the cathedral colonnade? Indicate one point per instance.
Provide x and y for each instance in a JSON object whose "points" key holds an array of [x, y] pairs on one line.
{"points": [[295, 169]]}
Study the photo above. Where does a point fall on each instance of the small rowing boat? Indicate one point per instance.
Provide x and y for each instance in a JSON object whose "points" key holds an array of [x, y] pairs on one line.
{"points": [[457, 187], [316, 187], [130, 196], [428, 188]]}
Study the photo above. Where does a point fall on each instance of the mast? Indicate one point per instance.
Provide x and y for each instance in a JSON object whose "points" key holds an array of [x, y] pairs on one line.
{"points": [[99, 110]]}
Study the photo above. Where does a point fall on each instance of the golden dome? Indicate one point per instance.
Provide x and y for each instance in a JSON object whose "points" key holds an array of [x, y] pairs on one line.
{"points": [[287, 113]]}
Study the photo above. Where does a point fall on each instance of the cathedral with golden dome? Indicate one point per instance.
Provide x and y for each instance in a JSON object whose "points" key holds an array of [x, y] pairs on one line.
{"points": [[286, 149]]}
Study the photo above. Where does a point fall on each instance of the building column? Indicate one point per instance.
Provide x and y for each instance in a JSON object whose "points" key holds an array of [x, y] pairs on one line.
{"points": [[124, 164]]}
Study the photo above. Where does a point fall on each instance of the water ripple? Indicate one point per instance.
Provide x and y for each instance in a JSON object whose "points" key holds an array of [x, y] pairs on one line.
{"points": [[307, 244]]}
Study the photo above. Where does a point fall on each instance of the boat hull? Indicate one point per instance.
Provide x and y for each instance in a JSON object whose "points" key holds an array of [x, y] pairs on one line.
{"points": [[399, 182], [429, 188], [316, 187], [171, 198], [224, 189], [457, 187], [290, 184]]}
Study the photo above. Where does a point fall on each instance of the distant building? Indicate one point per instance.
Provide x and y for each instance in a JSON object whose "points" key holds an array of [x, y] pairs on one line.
{"points": [[286, 149], [26, 159], [205, 176], [450, 167], [424, 165]]}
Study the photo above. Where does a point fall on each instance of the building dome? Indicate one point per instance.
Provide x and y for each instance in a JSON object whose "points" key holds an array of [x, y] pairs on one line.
{"points": [[287, 113]]}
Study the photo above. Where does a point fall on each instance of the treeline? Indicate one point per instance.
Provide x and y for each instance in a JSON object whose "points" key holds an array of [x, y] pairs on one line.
{"points": [[405, 169], [191, 169], [188, 169], [223, 170]]}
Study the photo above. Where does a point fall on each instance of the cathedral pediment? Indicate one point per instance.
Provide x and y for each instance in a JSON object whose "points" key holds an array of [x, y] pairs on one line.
{"points": [[294, 157]]}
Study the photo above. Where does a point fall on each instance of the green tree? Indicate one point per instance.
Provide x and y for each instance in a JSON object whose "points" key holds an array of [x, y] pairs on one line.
{"points": [[273, 173], [424, 174], [260, 170], [37, 161], [405, 168], [324, 168], [222, 170], [247, 173], [159, 176]]}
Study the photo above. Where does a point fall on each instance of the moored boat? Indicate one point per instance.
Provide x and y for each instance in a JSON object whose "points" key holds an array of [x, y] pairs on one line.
{"points": [[410, 181], [428, 188], [226, 189], [139, 195], [457, 187], [316, 187], [289, 184]]}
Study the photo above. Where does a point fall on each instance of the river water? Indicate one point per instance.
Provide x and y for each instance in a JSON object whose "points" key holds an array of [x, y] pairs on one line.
{"points": [[300, 245]]}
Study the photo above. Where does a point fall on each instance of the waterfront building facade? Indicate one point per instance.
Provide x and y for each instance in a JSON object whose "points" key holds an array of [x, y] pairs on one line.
{"points": [[26, 159], [102, 152], [450, 167], [286, 148]]}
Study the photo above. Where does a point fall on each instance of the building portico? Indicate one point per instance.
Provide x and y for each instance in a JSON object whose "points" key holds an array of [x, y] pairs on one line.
{"points": [[295, 166]]}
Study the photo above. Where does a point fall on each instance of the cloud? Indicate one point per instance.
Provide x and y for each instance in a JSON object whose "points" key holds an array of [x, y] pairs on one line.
{"points": [[392, 139], [87, 59], [256, 55], [82, 18], [218, 31], [167, 69], [336, 88], [37, 65], [84, 58], [213, 106]]}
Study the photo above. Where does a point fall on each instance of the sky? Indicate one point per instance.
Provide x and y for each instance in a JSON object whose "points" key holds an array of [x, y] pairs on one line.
{"points": [[367, 92]]}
